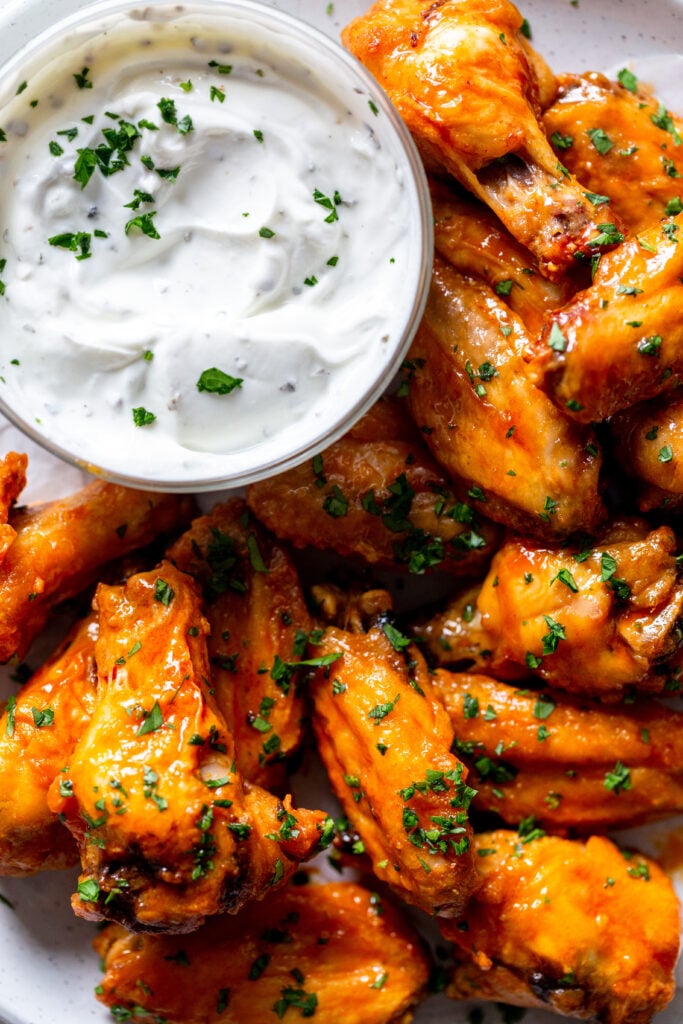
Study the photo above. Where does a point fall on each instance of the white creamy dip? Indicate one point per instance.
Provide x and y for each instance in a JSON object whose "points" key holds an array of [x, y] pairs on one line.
{"points": [[210, 243]]}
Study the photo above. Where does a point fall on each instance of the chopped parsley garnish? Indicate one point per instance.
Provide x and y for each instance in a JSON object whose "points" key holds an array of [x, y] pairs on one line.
{"points": [[380, 711], [144, 224], [222, 69], [627, 80], [328, 204], [217, 94], [43, 717], [81, 79], [78, 242], [619, 779], [151, 720], [142, 417], [600, 140], [217, 382], [163, 592]]}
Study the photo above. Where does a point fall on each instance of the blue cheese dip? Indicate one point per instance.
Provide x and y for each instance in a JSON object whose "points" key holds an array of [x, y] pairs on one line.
{"points": [[210, 242]]}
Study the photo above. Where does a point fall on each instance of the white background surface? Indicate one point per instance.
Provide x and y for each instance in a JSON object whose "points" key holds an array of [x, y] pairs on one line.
{"points": [[47, 969]]}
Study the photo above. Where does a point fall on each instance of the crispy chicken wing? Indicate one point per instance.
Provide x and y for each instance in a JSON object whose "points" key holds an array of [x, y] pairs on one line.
{"points": [[377, 493], [38, 732], [648, 442], [487, 423], [468, 86], [569, 764], [385, 741], [258, 620], [475, 242], [584, 929], [167, 831], [332, 951], [621, 340], [12, 483], [621, 143], [60, 546], [593, 620]]}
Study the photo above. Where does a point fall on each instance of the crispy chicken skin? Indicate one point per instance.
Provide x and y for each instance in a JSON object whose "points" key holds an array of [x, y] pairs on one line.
{"points": [[570, 764], [257, 617], [593, 620], [474, 241], [621, 144], [463, 79], [584, 929], [621, 340], [167, 831], [61, 545], [485, 420], [385, 741], [12, 483], [333, 951], [379, 494], [648, 442], [38, 732]]}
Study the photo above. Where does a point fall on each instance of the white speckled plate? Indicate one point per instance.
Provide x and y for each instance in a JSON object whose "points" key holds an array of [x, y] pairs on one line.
{"points": [[47, 969]]}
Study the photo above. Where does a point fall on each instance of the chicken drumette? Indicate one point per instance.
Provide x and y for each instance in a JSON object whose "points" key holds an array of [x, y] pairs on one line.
{"points": [[470, 89]]}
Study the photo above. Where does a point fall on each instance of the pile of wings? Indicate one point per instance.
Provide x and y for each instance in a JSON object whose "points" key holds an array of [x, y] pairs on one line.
{"points": [[531, 457]]}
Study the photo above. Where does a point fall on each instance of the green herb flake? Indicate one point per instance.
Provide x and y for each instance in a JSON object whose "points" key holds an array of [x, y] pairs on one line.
{"points": [[152, 720], [217, 382], [142, 417]]}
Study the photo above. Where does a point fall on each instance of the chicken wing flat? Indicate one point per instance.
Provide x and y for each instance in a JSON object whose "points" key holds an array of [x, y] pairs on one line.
{"points": [[166, 830], [621, 143], [568, 764], [620, 341], [60, 546], [585, 929], [593, 620], [332, 951], [258, 621], [475, 242], [468, 86], [648, 442], [377, 493], [38, 732], [524, 462], [385, 741]]}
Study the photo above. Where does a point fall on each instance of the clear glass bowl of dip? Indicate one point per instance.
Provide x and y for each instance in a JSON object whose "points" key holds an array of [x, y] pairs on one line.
{"points": [[215, 241]]}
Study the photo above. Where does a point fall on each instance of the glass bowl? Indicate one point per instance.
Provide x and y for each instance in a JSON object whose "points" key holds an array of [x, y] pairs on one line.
{"points": [[215, 242]]}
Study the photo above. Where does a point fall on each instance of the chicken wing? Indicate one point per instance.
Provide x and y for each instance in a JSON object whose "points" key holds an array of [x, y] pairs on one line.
{"points": [[38, 732], [468, 86], [585, 929], [475, 242], [385, 741], [377, 493], [648, 442], [525, 463], [60, 546], [333, 951], [621, 143], [258, 621], [167, 831], [593, 620], [569, 764], [12, 483], [621, 340]]}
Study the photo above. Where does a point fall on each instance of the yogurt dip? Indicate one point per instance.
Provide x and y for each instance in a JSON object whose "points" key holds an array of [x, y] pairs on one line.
{"points": [[212, 245]]}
